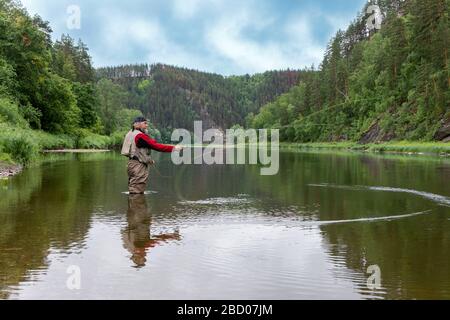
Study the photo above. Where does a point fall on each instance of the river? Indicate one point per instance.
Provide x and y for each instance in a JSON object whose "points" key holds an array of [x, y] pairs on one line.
{"points": [[328, 226]]}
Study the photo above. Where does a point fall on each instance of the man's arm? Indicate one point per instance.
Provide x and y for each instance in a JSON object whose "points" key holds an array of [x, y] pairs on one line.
{"points": [[144, 141]]}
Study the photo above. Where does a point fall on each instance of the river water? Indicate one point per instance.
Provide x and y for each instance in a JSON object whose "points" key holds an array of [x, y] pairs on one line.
{"points": [[328, 226]]}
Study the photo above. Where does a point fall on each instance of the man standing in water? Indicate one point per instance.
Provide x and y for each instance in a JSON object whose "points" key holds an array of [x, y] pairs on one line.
{"points": [[137, 147]]}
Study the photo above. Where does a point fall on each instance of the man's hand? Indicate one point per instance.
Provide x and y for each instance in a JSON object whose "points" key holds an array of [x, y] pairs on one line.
{"points": [[178, 148]]}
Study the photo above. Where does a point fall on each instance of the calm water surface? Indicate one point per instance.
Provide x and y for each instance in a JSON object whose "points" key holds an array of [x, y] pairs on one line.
{"points": [[225, 232]]}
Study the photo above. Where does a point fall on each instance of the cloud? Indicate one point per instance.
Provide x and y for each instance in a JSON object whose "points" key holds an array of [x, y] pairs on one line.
{"points": [[293, 47], [222, 36], [303, 42], [338, 22], [185, 9], [129, 39], [34, 7]]}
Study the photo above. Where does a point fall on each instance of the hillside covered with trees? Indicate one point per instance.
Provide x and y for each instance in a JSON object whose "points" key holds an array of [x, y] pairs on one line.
{"points": [[175, 97], [374, 85]]}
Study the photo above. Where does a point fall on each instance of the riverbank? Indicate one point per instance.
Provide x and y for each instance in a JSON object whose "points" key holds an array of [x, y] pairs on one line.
{"points": [[8, 168], [401, 147], [77, 151]]}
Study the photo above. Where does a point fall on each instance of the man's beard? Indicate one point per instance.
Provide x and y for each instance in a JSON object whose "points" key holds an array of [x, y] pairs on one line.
{"points": [[143, 130]]}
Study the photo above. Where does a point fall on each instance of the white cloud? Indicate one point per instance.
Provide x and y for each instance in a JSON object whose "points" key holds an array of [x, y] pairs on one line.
{"points": [[294, 47], [223, 36], [186, 8], [125, 35], [34, 6], [302, 41], [338, 22], [227, 41]]}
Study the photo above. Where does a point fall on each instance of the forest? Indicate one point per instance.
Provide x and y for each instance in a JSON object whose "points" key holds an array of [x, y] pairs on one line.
{"points": [[173, 97], [49, 96], [373, 85]]}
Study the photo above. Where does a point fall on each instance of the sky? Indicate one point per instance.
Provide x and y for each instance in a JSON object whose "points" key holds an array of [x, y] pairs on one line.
{"points": [[228, 37]]}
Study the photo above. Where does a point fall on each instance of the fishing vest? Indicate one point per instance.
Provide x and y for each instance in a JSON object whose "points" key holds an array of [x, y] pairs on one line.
{"points": [[130, 149]]}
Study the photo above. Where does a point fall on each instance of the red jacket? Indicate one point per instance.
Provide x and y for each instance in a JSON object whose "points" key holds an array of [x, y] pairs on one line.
{"points": [[144, 141]]}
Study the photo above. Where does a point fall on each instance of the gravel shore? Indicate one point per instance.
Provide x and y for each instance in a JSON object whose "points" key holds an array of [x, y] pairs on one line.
{"points": [[9, 170]]}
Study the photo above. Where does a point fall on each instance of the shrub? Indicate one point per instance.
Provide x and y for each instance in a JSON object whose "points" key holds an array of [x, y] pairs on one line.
{"points": [[6, 158], [49, 141], [9, 112], [117, 138], [89, 140], [20, 146]]}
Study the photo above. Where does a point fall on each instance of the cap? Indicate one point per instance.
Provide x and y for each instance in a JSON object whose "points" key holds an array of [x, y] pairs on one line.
{"points": [[139, 119]]}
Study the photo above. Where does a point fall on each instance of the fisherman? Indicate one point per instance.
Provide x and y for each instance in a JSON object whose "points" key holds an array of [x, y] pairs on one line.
{"points": [[137, 147]]}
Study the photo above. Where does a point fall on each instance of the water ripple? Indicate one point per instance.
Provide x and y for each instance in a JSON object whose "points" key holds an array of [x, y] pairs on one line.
{"points": [[218, 201], [386, 218], [442, 200]]}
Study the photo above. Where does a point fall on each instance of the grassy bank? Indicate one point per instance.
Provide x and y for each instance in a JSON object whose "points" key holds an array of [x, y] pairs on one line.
{"points": [[436, 148], [22, 146]]}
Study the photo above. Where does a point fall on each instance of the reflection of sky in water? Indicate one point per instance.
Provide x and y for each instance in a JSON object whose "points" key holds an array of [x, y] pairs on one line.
{"points": [[231, 264], [223, 255]]}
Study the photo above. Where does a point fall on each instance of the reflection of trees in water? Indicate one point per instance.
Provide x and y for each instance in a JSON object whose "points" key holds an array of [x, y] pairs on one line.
{"points": [[16, 255], [137, 237], [47, 207], [412, 260], [51, 207], [411, 252], [18, 189]]}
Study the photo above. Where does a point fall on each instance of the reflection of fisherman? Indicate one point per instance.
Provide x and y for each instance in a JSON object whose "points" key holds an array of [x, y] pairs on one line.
{"points": [[136, 147], [136, 237]]}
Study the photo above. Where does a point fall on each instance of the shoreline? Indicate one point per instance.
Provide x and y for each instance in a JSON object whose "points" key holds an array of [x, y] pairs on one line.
{"points": [[77, 151], [438, 149], [8, 170]]}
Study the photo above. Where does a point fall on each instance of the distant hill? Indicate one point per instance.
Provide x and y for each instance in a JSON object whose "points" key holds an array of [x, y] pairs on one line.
{"points": [[175, 97]]}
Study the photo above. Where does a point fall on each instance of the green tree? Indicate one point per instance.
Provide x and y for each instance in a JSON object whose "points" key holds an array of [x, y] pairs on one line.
{"points": [[111, 98], [60, 113], [87, 102]]}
